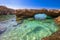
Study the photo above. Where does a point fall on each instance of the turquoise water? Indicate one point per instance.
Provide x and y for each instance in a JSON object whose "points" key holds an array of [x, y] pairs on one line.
{"points": [[31, 30]]}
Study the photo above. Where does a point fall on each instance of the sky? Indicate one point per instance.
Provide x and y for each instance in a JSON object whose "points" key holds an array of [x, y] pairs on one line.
{"points": [[31, 3]]}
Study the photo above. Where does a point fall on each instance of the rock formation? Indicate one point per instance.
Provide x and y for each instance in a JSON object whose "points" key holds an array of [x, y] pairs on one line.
{"points": [[24, 13], [53, 13], [4, 10], [31, 12], [57, 20]]}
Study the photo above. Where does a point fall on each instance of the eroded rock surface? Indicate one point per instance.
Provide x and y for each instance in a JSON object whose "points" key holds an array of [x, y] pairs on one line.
{"points": [[7, 24], [4, 10], [57, 20], [31, 12]]}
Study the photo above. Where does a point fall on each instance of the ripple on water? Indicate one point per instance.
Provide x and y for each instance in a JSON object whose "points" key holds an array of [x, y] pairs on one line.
{"points": [[32, 30]]}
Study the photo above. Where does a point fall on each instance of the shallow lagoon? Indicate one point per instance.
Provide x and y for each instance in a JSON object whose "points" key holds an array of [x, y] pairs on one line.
{"points": [[28, 30]]}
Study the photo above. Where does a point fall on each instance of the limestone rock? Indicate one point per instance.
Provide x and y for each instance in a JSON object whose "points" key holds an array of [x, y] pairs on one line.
{"points": [[57, 20], [55, 36], [25, 13], [31, 12], [53, 12]]}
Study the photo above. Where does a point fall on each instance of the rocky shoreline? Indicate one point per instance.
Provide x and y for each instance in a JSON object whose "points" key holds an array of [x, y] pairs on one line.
{"points": [[28, 12]]}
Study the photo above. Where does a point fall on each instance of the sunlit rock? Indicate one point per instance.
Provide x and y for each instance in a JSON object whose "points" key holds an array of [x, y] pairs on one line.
{"points": [[5, 10], [57, 20]]}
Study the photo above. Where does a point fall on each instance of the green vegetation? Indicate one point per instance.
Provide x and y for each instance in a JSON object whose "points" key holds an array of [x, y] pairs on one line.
{"points": [[32, 30]]}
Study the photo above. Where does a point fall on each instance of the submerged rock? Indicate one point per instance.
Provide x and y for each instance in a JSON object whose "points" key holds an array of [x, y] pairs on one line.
{"points": [[2, 29], [5, 10], [31, 12]]}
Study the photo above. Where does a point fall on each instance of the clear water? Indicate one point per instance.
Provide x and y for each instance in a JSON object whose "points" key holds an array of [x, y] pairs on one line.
{"points": [[28, 30]]}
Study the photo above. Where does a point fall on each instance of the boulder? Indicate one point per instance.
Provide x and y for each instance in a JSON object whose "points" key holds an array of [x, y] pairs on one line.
{"points": [[57, 20], [4, 10], [25, 13], [53, 12]]}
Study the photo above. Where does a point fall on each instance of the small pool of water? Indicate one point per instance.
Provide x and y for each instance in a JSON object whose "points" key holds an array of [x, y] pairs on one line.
{"points": [[28, 30]]}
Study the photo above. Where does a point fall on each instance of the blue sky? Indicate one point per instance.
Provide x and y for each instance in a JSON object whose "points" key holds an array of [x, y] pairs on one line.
{"points": [[31, 3]]}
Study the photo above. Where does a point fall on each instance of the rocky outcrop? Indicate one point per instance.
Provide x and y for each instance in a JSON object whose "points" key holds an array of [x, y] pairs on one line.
{"points": [[24, 13], [4, 10], [31, 12], [57, 20]]}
